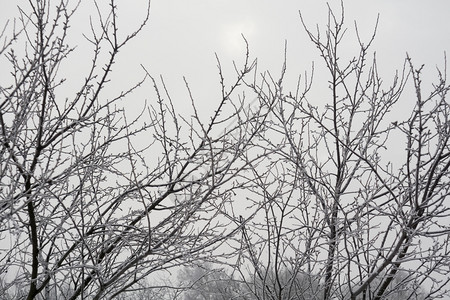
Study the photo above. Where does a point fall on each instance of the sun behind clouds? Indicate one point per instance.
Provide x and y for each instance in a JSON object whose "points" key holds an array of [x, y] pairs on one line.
{"points": [[231, 35]]}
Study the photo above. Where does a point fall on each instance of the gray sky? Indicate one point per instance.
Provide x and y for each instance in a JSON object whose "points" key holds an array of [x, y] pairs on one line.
{"points": [[183, 36]]}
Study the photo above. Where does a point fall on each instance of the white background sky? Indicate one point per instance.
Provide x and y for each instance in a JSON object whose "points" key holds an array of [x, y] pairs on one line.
{"points": [[182, 37]]}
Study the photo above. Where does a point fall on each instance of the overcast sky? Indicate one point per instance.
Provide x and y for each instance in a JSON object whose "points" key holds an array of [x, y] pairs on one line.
{"points": [[182, 37]]}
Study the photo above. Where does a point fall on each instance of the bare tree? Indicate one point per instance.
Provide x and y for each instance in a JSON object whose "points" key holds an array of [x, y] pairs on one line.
{"points": [[93, 202], [206, 282], [345, 199], [353, 193]]}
